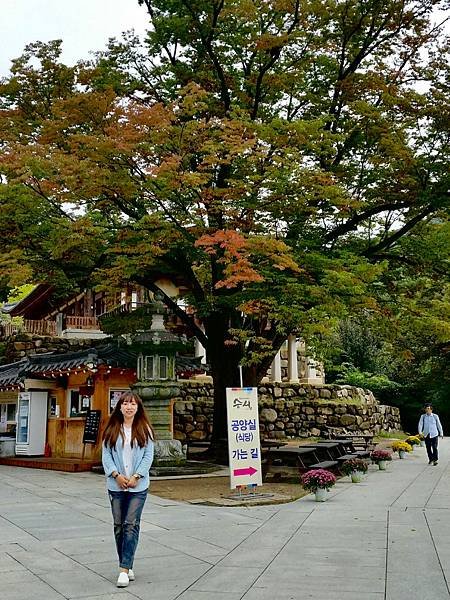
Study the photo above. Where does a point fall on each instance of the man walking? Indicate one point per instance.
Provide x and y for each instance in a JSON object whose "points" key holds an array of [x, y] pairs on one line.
{"points": [[430, 426]]}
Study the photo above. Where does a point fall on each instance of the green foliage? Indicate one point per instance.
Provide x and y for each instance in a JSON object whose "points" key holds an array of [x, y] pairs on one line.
{"points": [[139, 319], [274, 159], [378, 384], [361, 346], [391, 434], [20, 292]]}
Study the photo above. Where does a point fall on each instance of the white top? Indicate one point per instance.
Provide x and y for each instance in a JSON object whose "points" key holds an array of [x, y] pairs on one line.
{"points": [[127, 452]]}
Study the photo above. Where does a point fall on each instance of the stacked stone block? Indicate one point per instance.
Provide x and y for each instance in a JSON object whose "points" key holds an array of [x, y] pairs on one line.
{"points": [[290, 410]]}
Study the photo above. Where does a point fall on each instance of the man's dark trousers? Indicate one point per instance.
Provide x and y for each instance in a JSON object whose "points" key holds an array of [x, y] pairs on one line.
{"points": [[432, 447]]}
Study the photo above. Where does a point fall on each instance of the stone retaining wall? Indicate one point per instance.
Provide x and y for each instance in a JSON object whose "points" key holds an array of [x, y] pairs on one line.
{"points": [[27, 345], [289, 410]]}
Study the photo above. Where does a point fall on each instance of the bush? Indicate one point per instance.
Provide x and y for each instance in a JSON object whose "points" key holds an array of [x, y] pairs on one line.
{"points": [[377, 384], [317, 478]]}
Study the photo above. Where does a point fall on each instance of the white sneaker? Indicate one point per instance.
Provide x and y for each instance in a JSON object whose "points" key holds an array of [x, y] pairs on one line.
{"points": [[123, 580], [131, 576]]}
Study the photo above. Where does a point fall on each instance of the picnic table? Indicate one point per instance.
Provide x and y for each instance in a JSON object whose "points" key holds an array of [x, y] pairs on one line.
{"points": [[272, 444], [342, 450], [357, 442], [294, 460]]}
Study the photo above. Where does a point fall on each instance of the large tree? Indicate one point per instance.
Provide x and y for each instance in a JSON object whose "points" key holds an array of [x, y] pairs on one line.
{"points": [[269, 156]]}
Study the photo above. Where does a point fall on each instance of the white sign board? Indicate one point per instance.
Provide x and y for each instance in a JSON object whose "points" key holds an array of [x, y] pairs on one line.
{"points": [[243, 437]]}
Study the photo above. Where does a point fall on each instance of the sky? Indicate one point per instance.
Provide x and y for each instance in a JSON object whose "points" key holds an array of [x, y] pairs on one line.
{"points": [[83, 25]]}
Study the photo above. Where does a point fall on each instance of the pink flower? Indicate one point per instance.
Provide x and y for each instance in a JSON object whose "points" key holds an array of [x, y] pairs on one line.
{"points": [[378, 455], [317, 478]]}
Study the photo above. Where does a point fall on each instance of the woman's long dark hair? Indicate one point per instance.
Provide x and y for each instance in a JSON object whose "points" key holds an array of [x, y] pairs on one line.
{"points": [[141, 431]]}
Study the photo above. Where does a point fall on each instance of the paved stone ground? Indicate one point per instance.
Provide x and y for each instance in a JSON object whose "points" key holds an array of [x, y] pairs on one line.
{"points": [[385, 539]]}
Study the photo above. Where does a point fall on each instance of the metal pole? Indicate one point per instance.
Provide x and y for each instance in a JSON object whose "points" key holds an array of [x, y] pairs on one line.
{"points": [[240, 375]]}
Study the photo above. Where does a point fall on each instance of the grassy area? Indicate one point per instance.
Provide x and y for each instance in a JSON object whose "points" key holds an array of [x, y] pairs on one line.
{"points": [[392, 435]]}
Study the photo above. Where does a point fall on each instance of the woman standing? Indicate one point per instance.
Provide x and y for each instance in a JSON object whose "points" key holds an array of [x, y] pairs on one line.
{"points": [[127, 457]]}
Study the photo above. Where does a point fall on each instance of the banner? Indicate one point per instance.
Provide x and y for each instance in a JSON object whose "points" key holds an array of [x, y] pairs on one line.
{"points": [[243, 437]]}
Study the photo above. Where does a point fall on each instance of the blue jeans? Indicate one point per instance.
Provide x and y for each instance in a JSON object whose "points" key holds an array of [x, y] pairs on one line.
{"points": [[126, 510]]}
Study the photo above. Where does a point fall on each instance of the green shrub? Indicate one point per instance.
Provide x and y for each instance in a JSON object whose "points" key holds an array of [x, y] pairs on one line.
{"points": [[377, 384]]}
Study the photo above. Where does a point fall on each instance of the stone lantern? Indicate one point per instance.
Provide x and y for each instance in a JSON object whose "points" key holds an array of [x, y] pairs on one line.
{"points": [[157, 386]]}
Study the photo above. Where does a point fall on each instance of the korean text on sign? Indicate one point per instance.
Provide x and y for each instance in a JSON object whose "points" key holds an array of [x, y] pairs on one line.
{"points": [[243, 437]]}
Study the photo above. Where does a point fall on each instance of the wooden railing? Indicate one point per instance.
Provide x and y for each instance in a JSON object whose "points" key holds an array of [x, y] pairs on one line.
{"points": [[128, 307], [39, 327], [42, 327], [81, 323]]}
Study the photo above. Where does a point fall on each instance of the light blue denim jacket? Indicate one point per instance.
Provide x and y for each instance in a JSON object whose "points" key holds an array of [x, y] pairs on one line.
{"points": [[430, 425], [112, 459]]}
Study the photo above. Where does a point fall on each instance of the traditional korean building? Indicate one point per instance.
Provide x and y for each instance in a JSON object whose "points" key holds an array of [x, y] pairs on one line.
{"points": [[56, 389], [45, 399]]}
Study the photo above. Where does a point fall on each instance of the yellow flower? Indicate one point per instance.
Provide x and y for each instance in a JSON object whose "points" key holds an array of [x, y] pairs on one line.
{"points": [[398, 446]]}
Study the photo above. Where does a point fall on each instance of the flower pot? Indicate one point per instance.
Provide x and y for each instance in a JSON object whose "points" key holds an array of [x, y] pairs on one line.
{"points": [[401, 454], [382, 465], [357, 476], [321, 494]]}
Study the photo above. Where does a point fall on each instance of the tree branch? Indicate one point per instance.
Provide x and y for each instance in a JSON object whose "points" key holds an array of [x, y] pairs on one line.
{"points": [[177, 310], [207, 44], [390, 240], [354, 221]]}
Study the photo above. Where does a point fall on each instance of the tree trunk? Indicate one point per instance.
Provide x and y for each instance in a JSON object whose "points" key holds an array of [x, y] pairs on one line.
{"points": [[224, 360]]}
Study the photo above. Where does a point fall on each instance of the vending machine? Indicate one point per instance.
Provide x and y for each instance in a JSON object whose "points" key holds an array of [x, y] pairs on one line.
{"points": [[31, 423]]}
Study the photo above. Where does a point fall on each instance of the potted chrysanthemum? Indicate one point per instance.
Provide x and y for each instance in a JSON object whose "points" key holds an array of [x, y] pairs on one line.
{"points": [[413, 440], [355, 468], [318, 481], [401, 447], [381, 457]]}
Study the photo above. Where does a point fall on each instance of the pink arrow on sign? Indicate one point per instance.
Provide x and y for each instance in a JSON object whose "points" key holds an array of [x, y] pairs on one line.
{"points": [[247, 471]]}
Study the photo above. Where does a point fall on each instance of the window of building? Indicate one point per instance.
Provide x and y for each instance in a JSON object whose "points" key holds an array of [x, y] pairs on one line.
{"points": [[52, 407], [8, 416], [11, 409], [78, 405], [134, 300]]}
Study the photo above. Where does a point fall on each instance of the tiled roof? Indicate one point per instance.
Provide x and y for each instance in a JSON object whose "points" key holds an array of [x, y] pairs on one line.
{"points": [[13, 374]]}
